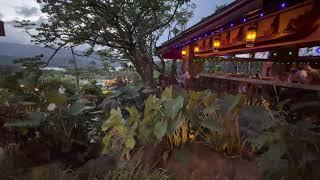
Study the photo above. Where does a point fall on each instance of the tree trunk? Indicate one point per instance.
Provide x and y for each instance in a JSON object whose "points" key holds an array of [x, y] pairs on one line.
{"points": [[147, 75], [144, 67]]}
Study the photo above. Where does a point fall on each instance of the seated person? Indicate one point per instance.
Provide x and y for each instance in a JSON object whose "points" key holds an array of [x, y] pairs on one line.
{"points": [[301, 75], [313, 75]]}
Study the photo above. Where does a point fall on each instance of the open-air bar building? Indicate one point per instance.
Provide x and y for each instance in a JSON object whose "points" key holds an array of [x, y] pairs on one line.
{"points": [[263, 48]]}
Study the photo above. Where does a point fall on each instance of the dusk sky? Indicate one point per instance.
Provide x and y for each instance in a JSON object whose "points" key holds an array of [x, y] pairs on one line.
{"points": [[28, 9]]}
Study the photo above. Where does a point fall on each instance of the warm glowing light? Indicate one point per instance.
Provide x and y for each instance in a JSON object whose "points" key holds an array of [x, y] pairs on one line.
{"points": [[216, 43], [184, 52], [251, 36], [196, 49], [36, 89], [22, 86]]}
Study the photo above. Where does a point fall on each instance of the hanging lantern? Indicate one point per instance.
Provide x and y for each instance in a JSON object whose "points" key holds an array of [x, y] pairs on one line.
{"points": [[216, 43], [183, 52], [251, 36], [196, 49]]}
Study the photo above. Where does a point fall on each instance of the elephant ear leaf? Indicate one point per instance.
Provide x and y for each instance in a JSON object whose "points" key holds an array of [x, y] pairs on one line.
{"points": [[167, 93], [33, 120], [214, 125], [230, 103], [77, 108], [173, 107], [130, 143], [115, 119], [134, 115], [160, 129]]}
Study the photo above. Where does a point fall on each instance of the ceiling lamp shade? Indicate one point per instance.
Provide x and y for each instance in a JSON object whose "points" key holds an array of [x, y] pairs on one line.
{"points": [[216, 43], [196, 49], [183, 52], [251, 36]]}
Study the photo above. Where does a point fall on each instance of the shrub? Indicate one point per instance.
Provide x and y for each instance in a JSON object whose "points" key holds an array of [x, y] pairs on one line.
{"points": [[91, 89]]}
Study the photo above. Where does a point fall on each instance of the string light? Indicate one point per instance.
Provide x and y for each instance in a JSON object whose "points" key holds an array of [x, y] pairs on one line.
{"points": [[244, 20]]}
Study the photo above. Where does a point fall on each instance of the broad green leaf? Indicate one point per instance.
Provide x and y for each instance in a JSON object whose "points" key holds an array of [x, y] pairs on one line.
{"points": [[77, 108], [209, 100], [130, 143], [256, 117], [230, 103], [213, 125], [115, 119], [33, 121], [174, 124], [160, 129], [167, 93], [210, 110], [173, 107], [150, 104], [134, 115], [107, 143]]}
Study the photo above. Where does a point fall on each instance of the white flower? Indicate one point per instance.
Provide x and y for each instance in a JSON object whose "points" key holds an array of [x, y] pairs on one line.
{"points": [[62, 90], [52, 107]]}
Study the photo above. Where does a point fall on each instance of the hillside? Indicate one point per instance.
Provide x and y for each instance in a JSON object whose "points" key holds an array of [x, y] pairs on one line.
{"points": [[10, 52]]}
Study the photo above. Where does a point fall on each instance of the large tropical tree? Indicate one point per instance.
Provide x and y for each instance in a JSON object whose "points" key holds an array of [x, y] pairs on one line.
{"points": [[130, 28]]}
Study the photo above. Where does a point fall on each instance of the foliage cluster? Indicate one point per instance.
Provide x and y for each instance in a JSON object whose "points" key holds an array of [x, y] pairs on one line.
{"points": [[227, 124], [91, 89], [44, 122], [178, 116]]}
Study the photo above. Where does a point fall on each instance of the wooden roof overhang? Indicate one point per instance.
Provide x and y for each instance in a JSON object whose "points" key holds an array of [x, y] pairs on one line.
{"points": [[2, 32], [292, 27]]}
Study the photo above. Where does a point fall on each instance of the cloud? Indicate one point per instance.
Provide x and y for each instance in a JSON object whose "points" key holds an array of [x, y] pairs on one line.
{"points": [[14, 35], [19, 36], [27, 12], [1, 16]]}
